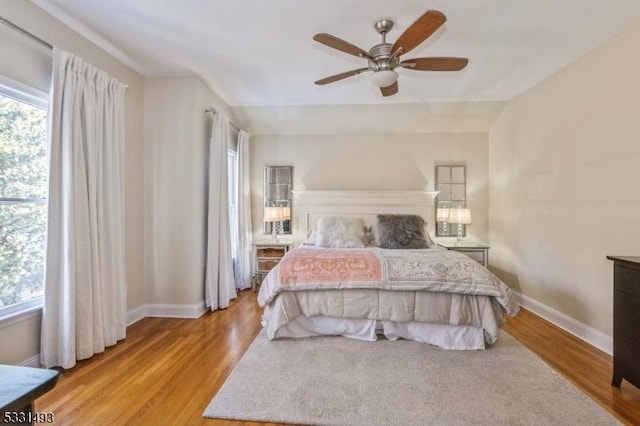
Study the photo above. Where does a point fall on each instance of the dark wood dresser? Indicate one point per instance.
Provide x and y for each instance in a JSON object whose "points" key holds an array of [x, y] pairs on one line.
{"points": [[626, 319]]}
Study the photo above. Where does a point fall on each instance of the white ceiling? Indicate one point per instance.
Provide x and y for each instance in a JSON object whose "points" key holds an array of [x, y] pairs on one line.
{"points": [[261, 52]]}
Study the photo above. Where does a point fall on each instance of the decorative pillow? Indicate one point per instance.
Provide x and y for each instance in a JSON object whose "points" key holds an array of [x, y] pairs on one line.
{"points": [[339, 232], [402, 232]]}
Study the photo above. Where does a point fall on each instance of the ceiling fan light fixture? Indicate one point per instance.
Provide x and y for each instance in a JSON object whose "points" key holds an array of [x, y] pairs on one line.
{"points": [[384, 78]]}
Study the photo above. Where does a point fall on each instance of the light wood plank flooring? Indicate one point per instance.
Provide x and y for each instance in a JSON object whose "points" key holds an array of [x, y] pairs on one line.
{"points": [[167, 370]]}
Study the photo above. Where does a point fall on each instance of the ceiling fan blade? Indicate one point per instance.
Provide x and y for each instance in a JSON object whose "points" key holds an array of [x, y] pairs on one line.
{"points": [[340, 76], [339, 44], [389, 90], [419, 31], [435, 64]]}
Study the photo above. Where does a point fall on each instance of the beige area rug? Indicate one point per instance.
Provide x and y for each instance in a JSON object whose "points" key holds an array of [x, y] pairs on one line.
{"points": [[340, 381]]}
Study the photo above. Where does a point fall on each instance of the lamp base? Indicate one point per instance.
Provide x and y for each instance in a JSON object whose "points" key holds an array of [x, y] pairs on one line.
{"points": [[459, 241]]}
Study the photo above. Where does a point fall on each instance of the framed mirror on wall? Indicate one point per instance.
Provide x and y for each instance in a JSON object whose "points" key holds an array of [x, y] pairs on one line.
{"points": [[451, 181], [278, 183]]}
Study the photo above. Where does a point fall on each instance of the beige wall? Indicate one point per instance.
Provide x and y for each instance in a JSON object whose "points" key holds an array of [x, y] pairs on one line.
{"points": [[564, 164], [176, 133], [382, 161], [28, 62]]}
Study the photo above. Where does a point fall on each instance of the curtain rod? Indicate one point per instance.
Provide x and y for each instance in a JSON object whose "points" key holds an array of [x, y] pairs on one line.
{"points": [[25, 32], [30, 35], [213, 111]]}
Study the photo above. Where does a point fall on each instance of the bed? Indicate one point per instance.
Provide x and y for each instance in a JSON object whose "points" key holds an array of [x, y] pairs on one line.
{"points": [[334, 283]]}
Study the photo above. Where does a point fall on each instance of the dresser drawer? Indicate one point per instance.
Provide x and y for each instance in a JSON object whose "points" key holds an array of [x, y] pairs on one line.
{"points": [[626, 318], [627, 280]]}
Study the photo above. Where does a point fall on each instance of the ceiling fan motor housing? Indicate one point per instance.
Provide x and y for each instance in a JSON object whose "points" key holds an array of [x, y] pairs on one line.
{"points": [[381, 52]]}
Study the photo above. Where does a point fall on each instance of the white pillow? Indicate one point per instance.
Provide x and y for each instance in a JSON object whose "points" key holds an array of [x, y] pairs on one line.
{"points": [[339, 232]]}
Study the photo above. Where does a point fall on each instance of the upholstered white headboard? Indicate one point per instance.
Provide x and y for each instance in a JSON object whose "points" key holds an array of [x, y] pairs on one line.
{"points": [[309, 206]]}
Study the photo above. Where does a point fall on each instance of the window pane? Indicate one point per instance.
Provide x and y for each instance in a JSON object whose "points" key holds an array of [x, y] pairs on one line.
{"points": [[445, 192], [23, 168], [457, 175], [23, 191], [284, 175], [22, 238], [232, 175], [444, 174], [457, 192]]}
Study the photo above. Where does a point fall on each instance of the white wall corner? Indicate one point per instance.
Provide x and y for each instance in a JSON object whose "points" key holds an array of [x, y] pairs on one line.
{"points": [[594, 337]]}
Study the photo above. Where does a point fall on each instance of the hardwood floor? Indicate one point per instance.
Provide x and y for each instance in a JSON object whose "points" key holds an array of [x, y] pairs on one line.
{"points": [[588, 368], [167, 370]]}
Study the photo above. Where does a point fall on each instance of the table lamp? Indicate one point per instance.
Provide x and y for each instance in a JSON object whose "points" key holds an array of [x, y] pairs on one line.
{"points": [[276, 215], [461, 217], [442, 215]]}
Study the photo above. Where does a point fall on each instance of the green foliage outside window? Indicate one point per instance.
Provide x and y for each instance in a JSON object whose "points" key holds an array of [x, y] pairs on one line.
{"points": [[23, 191]]}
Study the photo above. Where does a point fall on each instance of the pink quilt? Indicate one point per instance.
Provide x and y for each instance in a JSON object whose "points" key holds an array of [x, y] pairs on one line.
{"points": [[329, 267]]}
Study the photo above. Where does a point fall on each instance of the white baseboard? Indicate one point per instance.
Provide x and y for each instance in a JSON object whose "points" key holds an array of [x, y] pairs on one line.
{"points": [[165, 311], [135, 315], [594, 337], [34, 362]]}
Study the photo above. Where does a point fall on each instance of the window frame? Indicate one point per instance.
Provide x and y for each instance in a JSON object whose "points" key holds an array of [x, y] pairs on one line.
{"points": [[29, 95]]}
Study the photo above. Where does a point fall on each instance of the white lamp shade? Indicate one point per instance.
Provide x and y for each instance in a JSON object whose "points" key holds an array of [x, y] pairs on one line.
{"points": [[273, 214], [442, 215], [384, 78], [462, 216], [286, 213]]}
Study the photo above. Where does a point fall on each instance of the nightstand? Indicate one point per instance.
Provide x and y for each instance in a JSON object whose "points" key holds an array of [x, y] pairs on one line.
{"points": [[478, 252], [266, 255]]}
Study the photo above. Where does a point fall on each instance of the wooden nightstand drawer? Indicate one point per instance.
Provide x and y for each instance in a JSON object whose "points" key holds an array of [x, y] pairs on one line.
{"points": [[270, 252], [265, 265]]}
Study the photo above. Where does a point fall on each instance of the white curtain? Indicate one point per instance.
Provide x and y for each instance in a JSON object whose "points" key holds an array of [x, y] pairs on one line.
{"points": [[85, 292], [219, 280], [243, 270]]}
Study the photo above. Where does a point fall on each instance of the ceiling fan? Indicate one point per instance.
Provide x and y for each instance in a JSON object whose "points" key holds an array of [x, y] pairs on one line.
{"points": [[385, 57]]}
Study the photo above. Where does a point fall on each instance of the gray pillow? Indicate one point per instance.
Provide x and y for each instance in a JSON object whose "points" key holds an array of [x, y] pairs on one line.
{"points": [[397, 231]]}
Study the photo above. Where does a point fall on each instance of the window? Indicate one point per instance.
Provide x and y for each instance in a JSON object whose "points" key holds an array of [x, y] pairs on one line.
{"points": [[232, 174], [451, 182], [23, 194]]}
